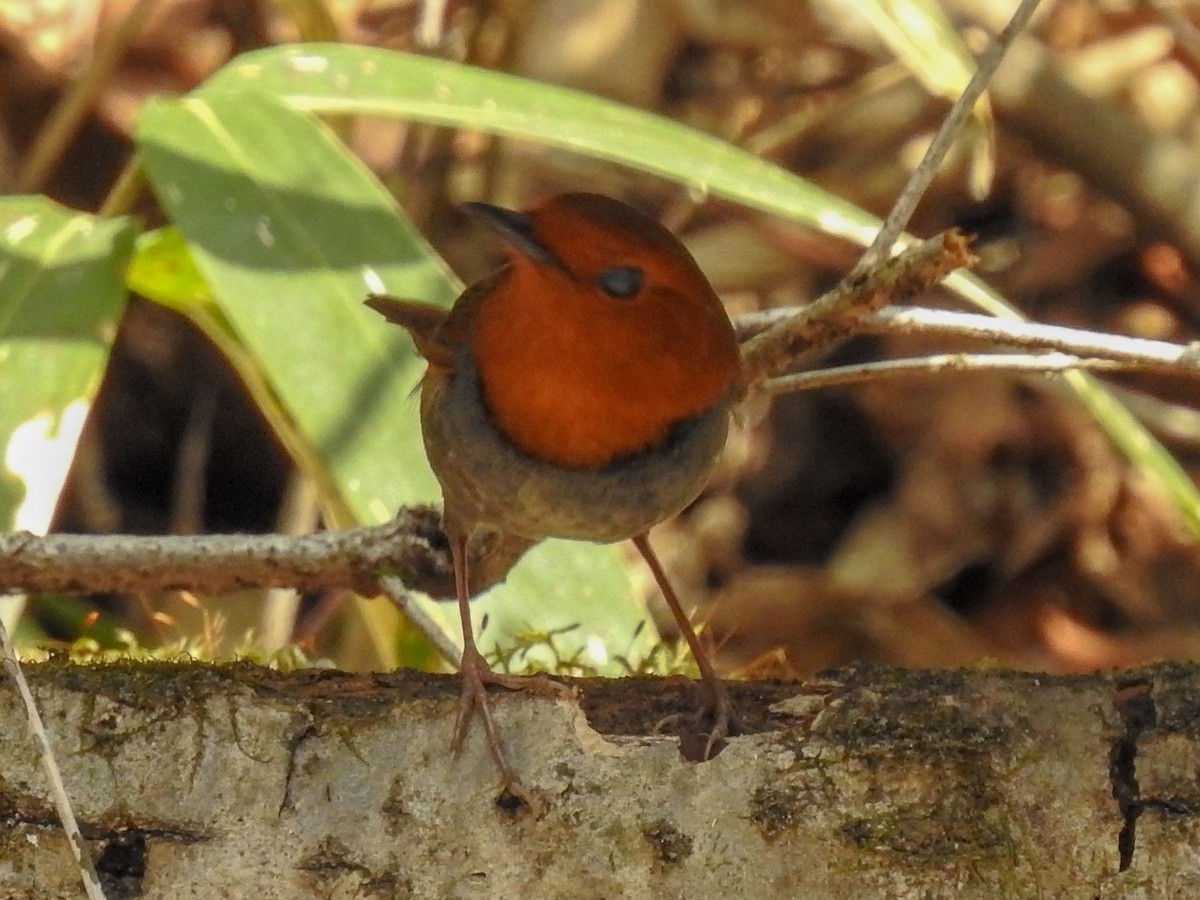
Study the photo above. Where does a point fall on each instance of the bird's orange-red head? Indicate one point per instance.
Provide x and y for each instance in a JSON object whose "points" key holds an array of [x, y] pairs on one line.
{"points": [[603, 335]]}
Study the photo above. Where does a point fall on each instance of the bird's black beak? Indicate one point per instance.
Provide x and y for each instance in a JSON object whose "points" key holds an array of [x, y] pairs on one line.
{"points": [[516, 228]]}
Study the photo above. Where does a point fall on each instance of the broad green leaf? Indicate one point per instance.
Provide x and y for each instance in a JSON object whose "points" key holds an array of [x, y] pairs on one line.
{"points": [[343, 79], [60, 297], [289, 231]]}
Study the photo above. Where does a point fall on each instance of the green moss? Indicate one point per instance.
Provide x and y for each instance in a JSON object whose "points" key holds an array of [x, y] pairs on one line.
{"points": [[921, 834], [670, 845]]}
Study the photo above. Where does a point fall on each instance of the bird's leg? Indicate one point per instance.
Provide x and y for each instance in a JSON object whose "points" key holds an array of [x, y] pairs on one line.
{"points": [[477, 674], [714, 703]]}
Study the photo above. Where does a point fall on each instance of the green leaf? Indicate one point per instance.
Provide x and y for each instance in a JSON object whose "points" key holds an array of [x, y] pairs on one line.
{"points": [[162, 270], [343, 79], [61, 295], [353, 80], [289, 231]]}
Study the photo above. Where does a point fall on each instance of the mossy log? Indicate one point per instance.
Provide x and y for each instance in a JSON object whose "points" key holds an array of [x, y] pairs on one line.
{"points": [[211, 782]]}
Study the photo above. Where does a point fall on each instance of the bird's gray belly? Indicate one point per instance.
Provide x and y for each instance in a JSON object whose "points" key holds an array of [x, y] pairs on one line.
{"points": [[489, 482]]}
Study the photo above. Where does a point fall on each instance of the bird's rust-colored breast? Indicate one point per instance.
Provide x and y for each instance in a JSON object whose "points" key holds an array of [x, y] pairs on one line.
{"points": [[578, 377]]}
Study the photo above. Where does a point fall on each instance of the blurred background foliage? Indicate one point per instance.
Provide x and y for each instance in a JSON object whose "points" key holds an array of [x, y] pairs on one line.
{"points": [[188, 232]]}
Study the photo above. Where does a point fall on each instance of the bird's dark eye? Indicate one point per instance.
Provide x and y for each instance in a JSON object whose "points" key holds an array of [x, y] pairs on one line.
{"points": [[621, 281]]}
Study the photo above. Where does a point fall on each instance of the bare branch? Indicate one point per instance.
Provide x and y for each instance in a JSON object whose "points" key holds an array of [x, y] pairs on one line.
{"points": [[1178, 359], [963, 363], [837, 314], [409, 554], [410, 547], [1138, 353]]}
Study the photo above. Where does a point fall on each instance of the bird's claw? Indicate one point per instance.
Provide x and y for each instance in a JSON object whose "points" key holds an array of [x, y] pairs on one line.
{"points": [[476, 675], [715, 708]]}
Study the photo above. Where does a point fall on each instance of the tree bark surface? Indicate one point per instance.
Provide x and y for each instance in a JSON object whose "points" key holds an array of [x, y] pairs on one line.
{"points": [[228, 782]]}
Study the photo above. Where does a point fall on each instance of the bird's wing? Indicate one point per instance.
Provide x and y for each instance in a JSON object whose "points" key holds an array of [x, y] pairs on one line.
{"points": [[423, 321], [437, 333]]}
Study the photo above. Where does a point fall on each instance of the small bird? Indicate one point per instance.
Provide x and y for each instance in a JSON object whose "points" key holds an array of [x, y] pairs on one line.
{"points": [[583, 391]]}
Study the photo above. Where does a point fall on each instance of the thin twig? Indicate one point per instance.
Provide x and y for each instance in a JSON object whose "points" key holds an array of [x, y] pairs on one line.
{"points": [[962, 363], [58, 791], [921, 178], [125, 190], [298, 514], [869, 285], [406, 601], [431, 23], [64, 121], [1143, 353]]}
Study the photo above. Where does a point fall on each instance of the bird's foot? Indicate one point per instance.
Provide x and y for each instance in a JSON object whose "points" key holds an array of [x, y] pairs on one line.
{"points": [[476, 676], [714, 720]]}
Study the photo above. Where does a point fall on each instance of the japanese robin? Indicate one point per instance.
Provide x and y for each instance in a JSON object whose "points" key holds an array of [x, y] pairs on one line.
{"points": [[583, 391]]}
